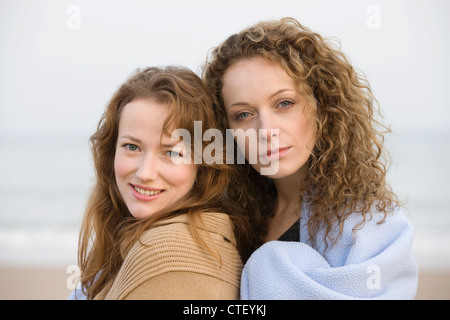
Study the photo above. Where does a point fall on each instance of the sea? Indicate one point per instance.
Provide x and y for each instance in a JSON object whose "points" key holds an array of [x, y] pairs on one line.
{"points": [[45, 181]]}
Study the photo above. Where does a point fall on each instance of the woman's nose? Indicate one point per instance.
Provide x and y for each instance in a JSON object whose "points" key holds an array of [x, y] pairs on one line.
{"points": [[148, 168], [268, 127]]}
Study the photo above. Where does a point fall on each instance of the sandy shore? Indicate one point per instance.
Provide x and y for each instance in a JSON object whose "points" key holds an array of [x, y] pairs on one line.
{"points": [[434, 285], [51, 283], [33, 283]]}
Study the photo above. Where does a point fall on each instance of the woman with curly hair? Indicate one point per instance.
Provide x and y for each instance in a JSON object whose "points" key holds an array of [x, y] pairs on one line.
{"points": [[158, 226], [330, 227]]}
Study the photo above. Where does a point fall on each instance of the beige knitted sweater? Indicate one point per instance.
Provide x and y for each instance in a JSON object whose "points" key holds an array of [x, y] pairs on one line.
{"points": [[169, 264]]}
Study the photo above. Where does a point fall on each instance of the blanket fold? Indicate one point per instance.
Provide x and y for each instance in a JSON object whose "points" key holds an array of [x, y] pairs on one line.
{"points": [[375, 262]]}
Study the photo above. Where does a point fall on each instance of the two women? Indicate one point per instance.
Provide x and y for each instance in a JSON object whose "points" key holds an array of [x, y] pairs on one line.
{"points": [[337, 226]]}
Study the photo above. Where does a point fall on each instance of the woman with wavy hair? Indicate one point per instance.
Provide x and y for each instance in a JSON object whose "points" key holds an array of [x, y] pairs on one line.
{"points": [[330, 227], [157, 225]]}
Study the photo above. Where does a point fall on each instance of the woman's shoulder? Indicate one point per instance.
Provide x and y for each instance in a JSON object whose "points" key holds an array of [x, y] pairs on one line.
{"points": [[377, 224], [374, 223], [170, 252], [174, 237], [171, 247], [173, 240], [367, 236], [216, 224]]}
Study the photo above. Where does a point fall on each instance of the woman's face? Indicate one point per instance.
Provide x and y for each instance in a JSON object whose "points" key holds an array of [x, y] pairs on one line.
{"points": [[147, 177], [259, 94]]}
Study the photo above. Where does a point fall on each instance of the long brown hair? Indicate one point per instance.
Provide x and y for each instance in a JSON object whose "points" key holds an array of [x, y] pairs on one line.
{"points": [[108, 229], [347, 166]]}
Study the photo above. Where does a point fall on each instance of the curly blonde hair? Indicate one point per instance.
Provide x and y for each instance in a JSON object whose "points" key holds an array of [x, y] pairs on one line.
{"points": [[347, 167]]}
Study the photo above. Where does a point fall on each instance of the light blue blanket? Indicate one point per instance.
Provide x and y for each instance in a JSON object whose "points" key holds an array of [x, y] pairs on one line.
{"points": [[376, 262], [77, 293]]}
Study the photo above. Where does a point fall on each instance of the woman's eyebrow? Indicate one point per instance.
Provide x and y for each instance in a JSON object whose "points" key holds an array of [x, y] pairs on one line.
{"points": [[245, 104], [279, 91], [169, 145], [127, 136]]}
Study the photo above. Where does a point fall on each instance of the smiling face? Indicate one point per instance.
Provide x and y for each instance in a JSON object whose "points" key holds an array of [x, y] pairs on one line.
{"points": [[146, 175], [259, 94]]}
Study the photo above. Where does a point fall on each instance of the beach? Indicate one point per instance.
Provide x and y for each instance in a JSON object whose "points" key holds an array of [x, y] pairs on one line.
{"points": [[33, 283], [434, 285], [50, 283]]}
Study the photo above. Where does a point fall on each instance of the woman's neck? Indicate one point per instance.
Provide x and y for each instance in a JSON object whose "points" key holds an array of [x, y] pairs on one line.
{"points": [[290, 188], [287, 212]]}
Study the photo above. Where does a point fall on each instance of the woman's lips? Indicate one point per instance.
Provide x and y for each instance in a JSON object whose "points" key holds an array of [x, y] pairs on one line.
{"points": [[145, 193], [275, 154]]}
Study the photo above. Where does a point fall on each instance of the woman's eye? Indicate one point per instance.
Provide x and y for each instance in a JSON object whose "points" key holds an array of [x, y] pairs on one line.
{"points": [[285, 103], [174, 154], [242, 115], [131, 147]]}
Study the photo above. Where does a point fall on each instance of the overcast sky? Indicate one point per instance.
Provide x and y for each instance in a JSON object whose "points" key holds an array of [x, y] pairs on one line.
{"points": [[60, 61]]}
